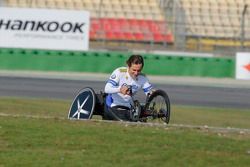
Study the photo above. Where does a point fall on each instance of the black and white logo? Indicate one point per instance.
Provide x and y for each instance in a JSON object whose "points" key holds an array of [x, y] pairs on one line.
{"points": [[83, 105]]}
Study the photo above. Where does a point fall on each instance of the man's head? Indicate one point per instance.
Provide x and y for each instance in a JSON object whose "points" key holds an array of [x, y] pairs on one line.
{"points": [[135, 65]]}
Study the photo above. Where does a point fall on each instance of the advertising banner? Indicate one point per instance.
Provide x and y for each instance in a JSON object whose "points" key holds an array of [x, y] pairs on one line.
{"points": [[243, 66], [44, 29]]}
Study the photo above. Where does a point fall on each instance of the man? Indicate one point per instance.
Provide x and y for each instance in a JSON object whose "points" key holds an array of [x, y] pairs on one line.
{"points": [[122, 85]]}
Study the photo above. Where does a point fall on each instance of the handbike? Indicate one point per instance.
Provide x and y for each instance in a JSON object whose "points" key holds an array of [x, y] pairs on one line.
{"points": [[87, 103]]}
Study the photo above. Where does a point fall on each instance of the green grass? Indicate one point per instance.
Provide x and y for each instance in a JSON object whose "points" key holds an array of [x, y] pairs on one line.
{"points": [[50, 139]]}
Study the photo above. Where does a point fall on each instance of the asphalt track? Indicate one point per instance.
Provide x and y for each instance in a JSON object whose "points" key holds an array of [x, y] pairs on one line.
{"points": [[228, 93]]}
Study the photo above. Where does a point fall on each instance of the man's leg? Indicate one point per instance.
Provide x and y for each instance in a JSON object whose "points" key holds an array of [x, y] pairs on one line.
{"points": [[118, 113]]}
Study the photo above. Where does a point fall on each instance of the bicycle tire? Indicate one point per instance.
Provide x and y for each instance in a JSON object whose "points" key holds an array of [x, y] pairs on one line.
{"points": [[162, 94]]}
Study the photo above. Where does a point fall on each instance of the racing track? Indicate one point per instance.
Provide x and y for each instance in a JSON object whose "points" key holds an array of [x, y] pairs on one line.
{"points": [[179, 94]]}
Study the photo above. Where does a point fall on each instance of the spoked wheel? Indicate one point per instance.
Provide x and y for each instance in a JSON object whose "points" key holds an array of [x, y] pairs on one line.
{"points": [[158, 106], [135, 112]]}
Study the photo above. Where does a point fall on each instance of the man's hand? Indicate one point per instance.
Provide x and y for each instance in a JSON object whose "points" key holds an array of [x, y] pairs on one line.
{"points": [[125, 90], [151, 92]]}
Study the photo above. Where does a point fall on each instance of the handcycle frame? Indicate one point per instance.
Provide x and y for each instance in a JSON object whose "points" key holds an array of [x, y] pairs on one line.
{"points": [[87, 103]]}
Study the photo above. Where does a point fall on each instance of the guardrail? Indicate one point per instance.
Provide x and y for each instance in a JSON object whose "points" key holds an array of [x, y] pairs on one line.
{"points": [[106, 62]]}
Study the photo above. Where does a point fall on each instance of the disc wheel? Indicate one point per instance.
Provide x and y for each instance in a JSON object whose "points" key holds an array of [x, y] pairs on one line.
{"points": [[83, 104]]}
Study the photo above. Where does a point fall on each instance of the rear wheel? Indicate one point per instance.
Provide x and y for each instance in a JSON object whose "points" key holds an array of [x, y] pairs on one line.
{"points": [[83, 104], [158, 106]]}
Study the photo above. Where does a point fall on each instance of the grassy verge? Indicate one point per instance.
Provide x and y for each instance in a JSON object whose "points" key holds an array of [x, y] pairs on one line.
{"points": [[49, 139]]}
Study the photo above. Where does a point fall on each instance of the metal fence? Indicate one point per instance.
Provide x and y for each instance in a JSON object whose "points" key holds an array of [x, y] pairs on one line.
{"points": [[220, 27]]}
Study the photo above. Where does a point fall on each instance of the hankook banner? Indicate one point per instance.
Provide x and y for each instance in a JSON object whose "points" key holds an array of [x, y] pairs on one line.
{"points": [[44, 29], [243, 66]]}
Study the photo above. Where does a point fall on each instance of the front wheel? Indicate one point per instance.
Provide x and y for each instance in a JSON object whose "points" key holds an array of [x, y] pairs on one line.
{"points": [[158, 106]]}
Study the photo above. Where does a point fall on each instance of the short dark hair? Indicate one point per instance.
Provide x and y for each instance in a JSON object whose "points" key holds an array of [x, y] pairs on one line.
{"points": [[135, 59]]}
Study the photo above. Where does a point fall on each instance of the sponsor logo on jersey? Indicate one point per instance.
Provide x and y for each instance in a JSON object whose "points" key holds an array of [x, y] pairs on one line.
{"points": [[123, 70], [113, 76]]}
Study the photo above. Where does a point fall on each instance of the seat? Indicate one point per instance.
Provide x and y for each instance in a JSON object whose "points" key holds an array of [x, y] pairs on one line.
{"points": [[119, 36], [158, 37], [129, 36], [110, 35], [130, 29], [92, 34], [138, 36]]}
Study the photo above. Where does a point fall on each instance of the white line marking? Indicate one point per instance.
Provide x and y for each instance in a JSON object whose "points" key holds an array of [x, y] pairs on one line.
{"points": [[204, 127]]}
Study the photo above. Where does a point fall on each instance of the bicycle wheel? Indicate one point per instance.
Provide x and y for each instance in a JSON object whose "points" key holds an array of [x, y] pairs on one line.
{"points": [[83, 104], [158, 106]]}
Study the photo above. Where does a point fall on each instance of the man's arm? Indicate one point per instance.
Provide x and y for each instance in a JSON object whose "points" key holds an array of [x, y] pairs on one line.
{"points": [[110, 88], [112, 85], [147, 87]]}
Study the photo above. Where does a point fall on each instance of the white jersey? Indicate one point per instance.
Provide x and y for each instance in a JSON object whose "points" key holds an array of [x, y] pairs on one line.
{"points": [[121, 77]]}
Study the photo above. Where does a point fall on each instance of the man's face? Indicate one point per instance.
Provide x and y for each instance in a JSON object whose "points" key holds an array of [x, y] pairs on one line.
{"points": [[134, 70]]}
